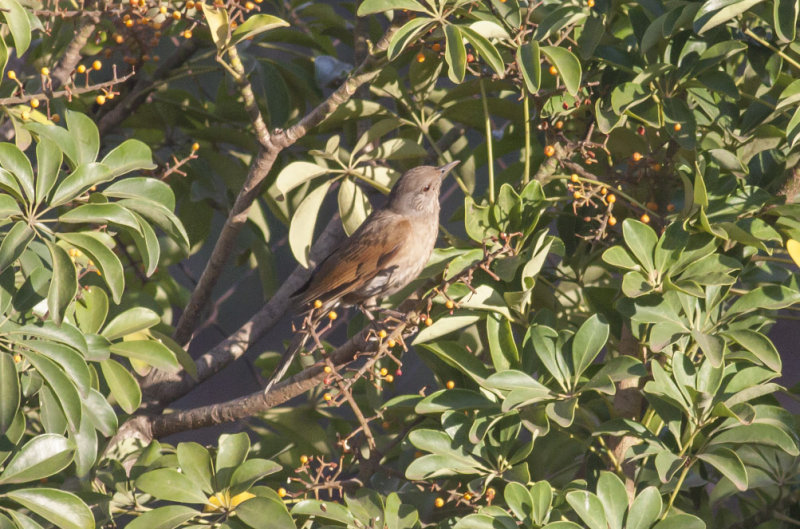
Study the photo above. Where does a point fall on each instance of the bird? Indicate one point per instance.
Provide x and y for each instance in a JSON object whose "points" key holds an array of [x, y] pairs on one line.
{"points": [[385, 253]]}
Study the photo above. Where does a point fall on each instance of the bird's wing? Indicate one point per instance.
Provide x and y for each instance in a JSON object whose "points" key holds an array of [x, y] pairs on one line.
{"points": [[372, 248]]}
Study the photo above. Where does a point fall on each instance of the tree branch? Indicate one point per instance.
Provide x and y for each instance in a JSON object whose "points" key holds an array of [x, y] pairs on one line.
{"points": [[259, 169], [6, 101], [62, 73]]}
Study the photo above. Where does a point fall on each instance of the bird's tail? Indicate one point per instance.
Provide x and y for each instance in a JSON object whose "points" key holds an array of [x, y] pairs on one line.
{"points": [[298, 342]]}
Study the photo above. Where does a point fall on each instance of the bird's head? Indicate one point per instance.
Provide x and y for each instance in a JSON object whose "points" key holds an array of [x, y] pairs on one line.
{"points": [[417, 191]]}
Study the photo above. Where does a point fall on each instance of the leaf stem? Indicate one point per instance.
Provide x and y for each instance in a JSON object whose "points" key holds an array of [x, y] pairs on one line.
{"points": [[526, 115], [678, 486], [490, 157], [766, 44]]}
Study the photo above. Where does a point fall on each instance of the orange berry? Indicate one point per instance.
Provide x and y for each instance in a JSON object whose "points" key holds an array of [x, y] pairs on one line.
{"points": [[449, 304], [436, 47], [81, 68], [574, 177], [603, 190], [553, 70], [96, 65], [187, 34], [428, 321], [577, 195], [677, 127], [590, 3], [190, 4], [249, 6], [281, 492], [382, 334], [303, 459], [652, 206], [332, 315], [119, 39], [317, 303], [612, 198], [391, 343], [439, 503], [34, 103], [612, 220], [470, 57], [420, 57], [101, 99], [389, 379], [129, 23], [195, 148], [162, 10], [645, 218], [25, 115], [176, 15], [670, 207], [559, 124], [467, 496], [55, 118], [637, 156], [450, 384], [549, 151]]}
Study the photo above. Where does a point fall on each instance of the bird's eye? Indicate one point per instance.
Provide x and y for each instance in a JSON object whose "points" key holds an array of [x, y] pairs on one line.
{"points": [[427, 188]]}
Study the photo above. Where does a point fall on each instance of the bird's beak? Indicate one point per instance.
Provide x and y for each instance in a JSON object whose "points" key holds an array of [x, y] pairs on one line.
{"points": [[448, 167]]}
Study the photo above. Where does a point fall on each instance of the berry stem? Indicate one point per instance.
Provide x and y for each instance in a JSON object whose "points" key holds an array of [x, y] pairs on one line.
{"points": [[490, 157]]}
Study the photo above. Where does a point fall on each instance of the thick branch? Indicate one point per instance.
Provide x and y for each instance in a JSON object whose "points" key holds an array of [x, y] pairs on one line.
{"points": [[259, 169], [165, 387], [6, 101], [69, 61], [132, 100], [249, 98]]}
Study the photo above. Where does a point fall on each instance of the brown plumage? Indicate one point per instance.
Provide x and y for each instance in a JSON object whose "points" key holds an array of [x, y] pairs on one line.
{"points": [[382, 256]]}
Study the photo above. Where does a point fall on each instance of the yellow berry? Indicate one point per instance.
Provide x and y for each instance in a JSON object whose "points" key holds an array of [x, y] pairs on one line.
{"points": [[81, 68], [249, 6], [420, 57], [645, 218], [12, 74], [129, 23], [449, 304], [187, 34], [384, 371], [574, 177], [176, 15], [553, 70], [317, 303], [490, 493], [327, 397], [190, 4], [327, 369], [428, 321], [281, 492], [590, 3], [637, 156], [391, 343], [389, 378], [101, 99], [677, 127], [17, 358], [332, 315], [467, 496], [34, 103], [303, 459], [450, 384], [96, 65], [195, 148], [162, 10], [382, 334], [25, 115], [603, 190], [612, 198], [45, 71], [119, 39], [549, 151], [612, 220], [439, 503]]}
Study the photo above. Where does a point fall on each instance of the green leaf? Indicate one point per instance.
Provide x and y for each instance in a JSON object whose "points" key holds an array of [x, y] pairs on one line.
{"points": [[91, 309], [758, 344], [588, 507], [645, 510], [9, 391], [251, 471], [12, 159], [520, 502], [397, 149], [59, 136], [680, 521], [65, 333], [354, 205], [150, 352], [568, 66], [444, 326], [715, 12], [169, 484], [48, 163], [217, 18], [614, 498], [453, 399], [131, 321], [324, 510], [141, 187], [771, 297], [109, 213], [370, 7], [757, 433], [130, 155], [18, 24], [255, 25], [122, 384], [712, 346], [68, 358], [87, 138], [166, 517], [297, 173], [455, 54], [542, 496], [61, 384], [502, 345], [42, 456], [785, 19], [146, 242], [160, 216], [232, 452], [403, 37], [100, 412], [63, 509], [14, 243], [195, 462], [79, 181], [104, 259], [641, 240], [8, 207], [529, 63], [728, 463], [301, 229], [261, 512], [588, 342], [64, 284], [486, 50], [619, 257]]}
